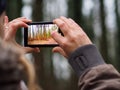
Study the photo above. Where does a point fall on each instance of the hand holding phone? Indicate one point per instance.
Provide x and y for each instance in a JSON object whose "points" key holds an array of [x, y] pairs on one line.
{"points": [[38, 34]]}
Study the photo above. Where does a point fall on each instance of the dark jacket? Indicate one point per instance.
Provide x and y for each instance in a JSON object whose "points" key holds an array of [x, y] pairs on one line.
{"points": [[93, 72]]}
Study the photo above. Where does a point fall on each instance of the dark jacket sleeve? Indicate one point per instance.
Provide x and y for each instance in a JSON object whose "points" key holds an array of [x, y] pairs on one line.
{"points": [[93, 72]]}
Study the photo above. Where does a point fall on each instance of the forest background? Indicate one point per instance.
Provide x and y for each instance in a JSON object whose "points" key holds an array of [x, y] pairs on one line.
{"points": [[100, 19]]}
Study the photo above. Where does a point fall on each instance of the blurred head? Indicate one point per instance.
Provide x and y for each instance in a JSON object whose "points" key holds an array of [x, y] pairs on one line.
{"points": [[10, 71], [14, 67], [2, 14]]}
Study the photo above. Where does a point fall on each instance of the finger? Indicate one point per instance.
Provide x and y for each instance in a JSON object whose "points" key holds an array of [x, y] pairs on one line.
{"points": [[19, 24], [16, 25], [29, 50], [13, 27], [66, 20], [23, 19], [36, 50], [62, 25], [59, 50], [24, 49], [6, 20], [73, 23], [57, 37], [20, 18]]}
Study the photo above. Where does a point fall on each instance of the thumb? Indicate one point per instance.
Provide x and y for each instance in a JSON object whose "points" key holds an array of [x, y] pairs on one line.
{"points": [[59, 50], [29, 50]]}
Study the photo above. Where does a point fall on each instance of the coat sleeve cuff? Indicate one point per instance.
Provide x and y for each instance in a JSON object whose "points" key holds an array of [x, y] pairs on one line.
{"points": [[84, 58]]}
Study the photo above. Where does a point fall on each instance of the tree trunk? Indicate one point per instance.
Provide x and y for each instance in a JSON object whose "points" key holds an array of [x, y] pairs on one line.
{"points": [[103, 40], [75, 10], [117, 42], [37, 10], [39, 59], [14, 11], [44, 71]]}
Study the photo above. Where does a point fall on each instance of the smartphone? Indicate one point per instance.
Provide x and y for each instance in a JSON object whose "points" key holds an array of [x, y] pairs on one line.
{"points": [[38, 34]]}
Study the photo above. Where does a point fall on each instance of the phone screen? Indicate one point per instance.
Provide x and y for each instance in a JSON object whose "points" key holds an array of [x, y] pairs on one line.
{"points": [[39, 34]]}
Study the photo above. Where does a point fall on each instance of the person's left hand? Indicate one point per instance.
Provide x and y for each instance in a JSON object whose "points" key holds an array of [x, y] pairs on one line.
{"points": [[10, 33]]}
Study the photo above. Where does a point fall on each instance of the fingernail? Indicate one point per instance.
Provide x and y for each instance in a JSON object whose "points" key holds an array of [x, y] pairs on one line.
{"points": [[37, 50]]}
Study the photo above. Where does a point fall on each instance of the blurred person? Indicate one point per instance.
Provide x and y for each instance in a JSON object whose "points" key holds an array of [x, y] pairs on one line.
{"points": [[12, 60], [14, 68], [83, 56]]}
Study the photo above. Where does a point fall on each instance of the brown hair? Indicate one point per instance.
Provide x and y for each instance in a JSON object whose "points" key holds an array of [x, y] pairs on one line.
{"points": [[24, 68]]}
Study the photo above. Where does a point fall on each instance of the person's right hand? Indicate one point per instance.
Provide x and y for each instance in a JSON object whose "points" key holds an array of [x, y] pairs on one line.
{"points": [[73, 38], [10, 33]]}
